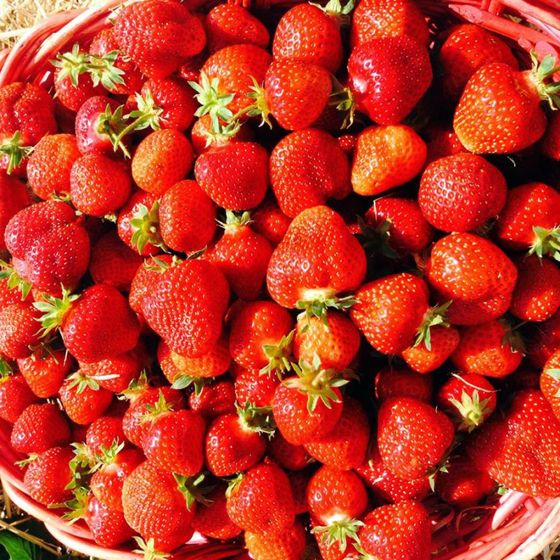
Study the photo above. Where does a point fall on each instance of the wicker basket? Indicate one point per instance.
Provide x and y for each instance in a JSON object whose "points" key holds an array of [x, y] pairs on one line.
{"points": [[517, 527]]}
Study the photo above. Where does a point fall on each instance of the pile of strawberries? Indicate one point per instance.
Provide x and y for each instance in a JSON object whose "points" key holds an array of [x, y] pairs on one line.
{"points": [[219, 315]]}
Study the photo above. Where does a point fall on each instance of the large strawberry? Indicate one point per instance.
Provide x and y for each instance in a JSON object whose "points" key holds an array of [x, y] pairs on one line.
{"points": [[15, 394], [290, 544], [211, 518], [108, 526]]}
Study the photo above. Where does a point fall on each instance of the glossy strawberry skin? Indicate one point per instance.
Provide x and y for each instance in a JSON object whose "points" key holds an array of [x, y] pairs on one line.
{"points": [[290, 544], [393, 382], [216, 399], [15, 397], [73, 95], [83, 407], [443, 342], [212, 520], [18, 330], [129, 212], [90, 134], [108, 526], [103, 432]]}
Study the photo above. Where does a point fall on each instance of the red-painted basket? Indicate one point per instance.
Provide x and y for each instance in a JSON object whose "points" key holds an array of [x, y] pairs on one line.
{"points": [[517, 527]]}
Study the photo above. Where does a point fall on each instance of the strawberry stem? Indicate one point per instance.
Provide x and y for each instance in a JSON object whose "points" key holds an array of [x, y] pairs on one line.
{"points": [[54, 310], [15, 151], [212, 101], [278, 356], [435, 316], [145, 228]]}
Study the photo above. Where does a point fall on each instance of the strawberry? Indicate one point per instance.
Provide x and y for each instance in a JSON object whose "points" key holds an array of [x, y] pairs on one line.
{"points": [[288, 456], [229, 24], [155, 506], [216, 399], [158, 36], [536, 296], [205, 135], [551, 142], [113, 263], [397, 532], [187, 217], [187, 305], [50, 164], [15, 394], [38, 428], [311, 34], [390, 310], [466, 49], [462, 484], [211, 518], [313, 160], [490, 349], [333, 551], [146, 277], [252, 387], [469, 399], [374, 19], [336, 501], [549, 381], [260, 336], [103, 433], [162, 159], [18, 330], [270, 221], [386, 157], [235, 175], [304, 273], [392, 382], [345, 446], [401, 223], [379, 83], [108, 526], [261, 500], [519, 452], [530, 220], [544, 340], [461, 192], [496, 94], [287, 545], [413, 437], [478, 311], [48, 476], [115, 373], [441, 141], [83, 399], [95, 325]]}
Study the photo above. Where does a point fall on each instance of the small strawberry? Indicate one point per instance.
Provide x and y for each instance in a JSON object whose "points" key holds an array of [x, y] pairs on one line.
{"points": [[103, 433], [252, 387], [211, 519], [289, 544], [45, 370], [412, 436], [441, 141], [386, 157], [393, 382], [288, 456], [216, 399], [15, 394], [18, 330]]}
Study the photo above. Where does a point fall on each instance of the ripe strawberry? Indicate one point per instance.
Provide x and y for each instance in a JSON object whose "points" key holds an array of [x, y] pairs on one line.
{"points": [[95, 325], [205, 136], [380, 85], [289, 544], [261, 501], [215, 399], [345, 446], [187, 305], [115, 373], [461, 192], [154, 505], [103, 433], [158, 36], [441, 141], [462, 484], [9, 294], [313, 159], [478, 311], [229, 24], [270, 221], [412, 436], [520, 451], [38, 428], [288, 456], [15, 394], [211, 519], [386, 157], [400, 222], [345, 549], [543, 340], [108, 526], [530, 219], [374, 19], [467, 48], [469, 399], [397, 532], [234, 176], [314, 270], [311, 34], [83, 399], [162, 159], [391, 383], [50, 164], [252, 387], [551, 141], [497, 94], [549, 381], [187, 217], [18, 330], [490, 349], [48, 476]]}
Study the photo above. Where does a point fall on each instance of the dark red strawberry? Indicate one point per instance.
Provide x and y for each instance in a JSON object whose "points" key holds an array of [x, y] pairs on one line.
{"points": [[392, 382], [15, 394]]}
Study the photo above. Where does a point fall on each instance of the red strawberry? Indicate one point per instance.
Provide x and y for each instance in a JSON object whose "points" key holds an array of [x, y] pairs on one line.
{"points": [[520, 451], [115, 373], [229, 24], [312, 267], [287, 545], [412, 436], [48, 476], [386, 157], [551, 141], [15, 394], [214, 400], [397, 532], [158, 36], [50, 164], [549, 381], [478, 311], [391, 383], [489, 349], [271, 222], [235, 175], [187, 217], [18, 330], [211, 519], [108, 526], [442, 141], [38, 428], [45, 370], [262, 501], [388, 76], [461, 192], [252, 387], [313, 160], [146, 277], [544, 340], [103, 433], [287, 455], [345, 446], [187, 305], [205, 136]]}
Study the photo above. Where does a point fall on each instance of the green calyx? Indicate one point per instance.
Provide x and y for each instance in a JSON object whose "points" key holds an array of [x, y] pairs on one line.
{"points": [[192, 488], [234, 221], [5, 369], [160, 407], [145, 227], [376, 240], [77, 506], [259, 107], [158, 265], [335, 8], [81, 465], [81, 382], [317, 301], [14, 280], [257, 419], [542, 73], [136, 387], [110, 123], [54, 310], [343, 99], [183, 381], [471, 409], [107, 455], [435, 316], [15, 151], [233, 484], [148, 550], [279, 356], [339, 532], [547, 243]]}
